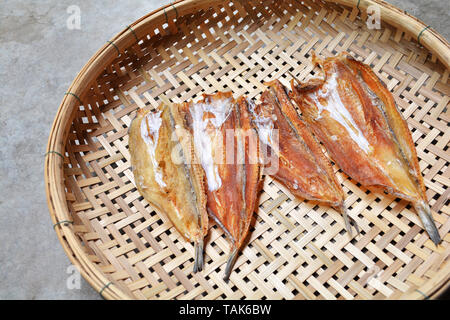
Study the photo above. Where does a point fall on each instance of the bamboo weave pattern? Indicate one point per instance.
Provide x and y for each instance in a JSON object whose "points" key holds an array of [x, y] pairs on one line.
{"points": [[296, 249]]}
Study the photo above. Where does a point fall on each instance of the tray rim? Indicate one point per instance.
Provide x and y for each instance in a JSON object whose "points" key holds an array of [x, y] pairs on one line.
{"points": [[53, 168]]}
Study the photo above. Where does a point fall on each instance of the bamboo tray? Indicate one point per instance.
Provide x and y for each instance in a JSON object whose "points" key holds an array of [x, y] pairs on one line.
{"points": [[296, 249]]}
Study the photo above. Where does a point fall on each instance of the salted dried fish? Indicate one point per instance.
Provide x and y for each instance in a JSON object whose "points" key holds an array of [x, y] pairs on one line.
{"points": [[166, 173], [354, 115], [302, 166], [227, 147]]}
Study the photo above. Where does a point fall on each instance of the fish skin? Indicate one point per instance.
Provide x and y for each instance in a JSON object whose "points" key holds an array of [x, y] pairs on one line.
{"points": [[252, 167], [355, 117], [232, 204], [182, 198]]}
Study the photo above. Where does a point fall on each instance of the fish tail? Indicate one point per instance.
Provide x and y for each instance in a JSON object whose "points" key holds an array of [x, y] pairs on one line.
{"points": [[424, 211], [230, 264], [198, 263], [349, 221]]}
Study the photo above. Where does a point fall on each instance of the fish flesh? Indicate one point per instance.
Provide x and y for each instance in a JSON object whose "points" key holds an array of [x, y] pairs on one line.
{"points": [[302, 166], [355, 117], [166, 172], [226, 144]]}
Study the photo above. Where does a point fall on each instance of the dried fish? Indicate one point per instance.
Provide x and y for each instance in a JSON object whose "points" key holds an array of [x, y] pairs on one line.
{"points": [[303, 168], [354, 115], [166, 173], [227, 146]]}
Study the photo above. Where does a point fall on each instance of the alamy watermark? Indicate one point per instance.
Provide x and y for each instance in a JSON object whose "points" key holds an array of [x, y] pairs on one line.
{"points": [[234, 147], [73, 280], [73, 22], [373, 17]]}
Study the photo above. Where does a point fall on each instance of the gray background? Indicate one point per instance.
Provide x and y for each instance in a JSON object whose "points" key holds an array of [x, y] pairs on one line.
{"points": [[39, 58]]}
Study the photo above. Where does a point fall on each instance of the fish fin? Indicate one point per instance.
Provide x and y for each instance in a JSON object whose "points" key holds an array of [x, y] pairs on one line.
{"points": [[295, 78], [424, 211], [230, 263], [198, 263], [345, 55], [316, 60]]}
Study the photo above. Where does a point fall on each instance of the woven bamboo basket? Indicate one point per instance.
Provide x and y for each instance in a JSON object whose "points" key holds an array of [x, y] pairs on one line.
{"points": [[296, 249]]}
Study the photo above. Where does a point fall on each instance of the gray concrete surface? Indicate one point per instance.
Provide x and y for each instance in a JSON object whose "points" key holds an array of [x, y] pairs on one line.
{"points": [[39, 58]]}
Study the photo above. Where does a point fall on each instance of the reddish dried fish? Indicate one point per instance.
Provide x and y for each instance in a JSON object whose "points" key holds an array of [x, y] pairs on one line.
{"points": [[227, 146], [354, 115], [302, 166], [174, 186]]}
